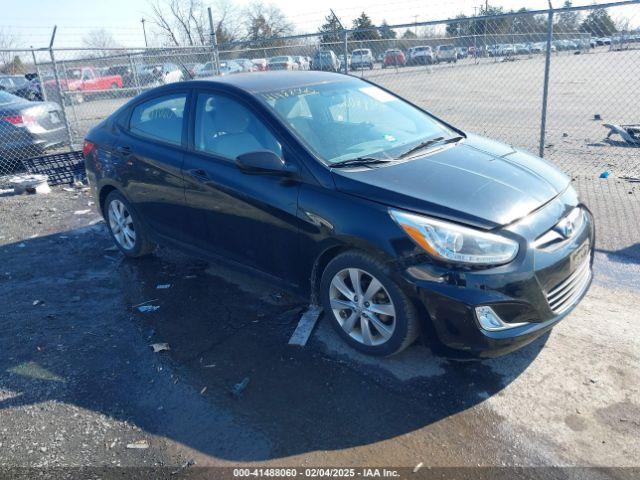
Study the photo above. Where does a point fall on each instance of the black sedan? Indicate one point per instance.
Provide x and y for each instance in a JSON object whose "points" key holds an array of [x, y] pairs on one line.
{"points": [[395, 221], [27, 129]]}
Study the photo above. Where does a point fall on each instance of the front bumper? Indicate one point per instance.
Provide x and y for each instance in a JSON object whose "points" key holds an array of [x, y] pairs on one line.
{"points": [[521, 292]]}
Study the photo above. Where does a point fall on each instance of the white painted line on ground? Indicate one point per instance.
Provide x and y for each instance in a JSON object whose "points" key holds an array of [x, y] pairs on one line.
{"points": [[305, 326]]}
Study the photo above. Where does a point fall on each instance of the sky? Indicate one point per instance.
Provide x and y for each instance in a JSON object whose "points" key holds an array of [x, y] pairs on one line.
{"points": [[31, 26]]}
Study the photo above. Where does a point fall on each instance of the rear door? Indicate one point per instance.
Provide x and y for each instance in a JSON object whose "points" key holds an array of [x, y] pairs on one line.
{"points": [[151, 151], [248, 218]]}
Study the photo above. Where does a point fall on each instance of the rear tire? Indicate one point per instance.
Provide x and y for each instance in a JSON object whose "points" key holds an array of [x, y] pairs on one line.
{"points": [[126, 228], [386, 333]]}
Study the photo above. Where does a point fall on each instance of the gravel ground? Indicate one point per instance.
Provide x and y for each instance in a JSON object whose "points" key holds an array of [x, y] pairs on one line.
{"points": [[80, 383]]}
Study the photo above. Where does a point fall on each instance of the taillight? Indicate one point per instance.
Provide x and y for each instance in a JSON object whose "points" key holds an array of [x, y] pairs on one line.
{"points": [[87, 148], [20, 120]]}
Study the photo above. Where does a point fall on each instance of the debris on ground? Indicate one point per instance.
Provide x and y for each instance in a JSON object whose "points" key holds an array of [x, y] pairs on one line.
{"points": [[148, 308], [82, 212], [187, 464], [417, 467], [305, 326], [138, 445], [37, 302], [238, 388], [629, 133], [211, 365], [144, 303], [160, 347], [163, 286], [29, 184], [604, 174], [204, 389], [112, 248]]}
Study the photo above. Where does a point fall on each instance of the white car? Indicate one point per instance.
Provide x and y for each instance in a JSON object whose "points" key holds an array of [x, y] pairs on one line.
{"points": [[446, 53], [420, 55], [362, 58]]}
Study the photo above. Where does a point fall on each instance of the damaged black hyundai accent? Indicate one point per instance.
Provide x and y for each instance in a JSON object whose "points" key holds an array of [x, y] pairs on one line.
{"points": [[394, 221]]}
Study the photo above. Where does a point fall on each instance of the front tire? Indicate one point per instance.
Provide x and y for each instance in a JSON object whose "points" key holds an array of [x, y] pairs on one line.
{"points": [[367, 308], [126, 227]]}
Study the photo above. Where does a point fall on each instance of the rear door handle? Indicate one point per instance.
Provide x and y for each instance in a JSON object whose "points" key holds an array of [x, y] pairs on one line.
{"points": [[199, 174], [123, 150]]}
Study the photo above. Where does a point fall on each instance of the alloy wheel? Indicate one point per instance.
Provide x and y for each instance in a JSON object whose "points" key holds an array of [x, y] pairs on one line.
{"points": [[121, 224], [362, 306]]}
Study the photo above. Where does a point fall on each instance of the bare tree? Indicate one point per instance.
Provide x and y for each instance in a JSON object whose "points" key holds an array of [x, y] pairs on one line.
{"points": [[185, 22], [7, 42], [100, 40], [264, 21]]}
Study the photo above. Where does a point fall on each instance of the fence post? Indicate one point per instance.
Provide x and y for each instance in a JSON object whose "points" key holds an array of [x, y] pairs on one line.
{"points": [[56, 76], [346, 52], [72, 98], [214, 44], [40, 79], [545, 91], [134, 72]]}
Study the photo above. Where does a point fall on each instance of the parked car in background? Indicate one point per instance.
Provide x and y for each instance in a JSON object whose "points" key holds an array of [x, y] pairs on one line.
{"points": [[83, 82], [260, 63], [420, 55], [534, 47], [28, 128], [18, 85], [462, 52], [192, 68], [446, 53], [344, 60], [394, 57], [362, 58], [229, 67], [283, 62], [326, 60], [522, 49], [125, 72], [364, 200], [165, 72], [207, 70], [246, 64], [506, 49], [303, 62]]}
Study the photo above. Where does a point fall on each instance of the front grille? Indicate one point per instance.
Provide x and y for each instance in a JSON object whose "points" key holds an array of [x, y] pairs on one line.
{"points": [[564, 295]]}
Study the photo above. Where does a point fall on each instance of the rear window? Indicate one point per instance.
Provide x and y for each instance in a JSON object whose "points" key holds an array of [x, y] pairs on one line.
{"points": [[360, 52], [447, 47], [160, 118]]}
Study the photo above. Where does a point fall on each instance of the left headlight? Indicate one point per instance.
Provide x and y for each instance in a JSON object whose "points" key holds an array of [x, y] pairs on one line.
{"points": [[454, 243]]}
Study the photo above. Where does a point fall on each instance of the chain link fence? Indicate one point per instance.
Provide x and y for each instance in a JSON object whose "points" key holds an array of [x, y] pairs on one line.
{"points": [[547, 81]]}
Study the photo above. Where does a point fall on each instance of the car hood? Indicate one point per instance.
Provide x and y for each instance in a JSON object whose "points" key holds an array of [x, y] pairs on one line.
{"points": [[476, 181]]}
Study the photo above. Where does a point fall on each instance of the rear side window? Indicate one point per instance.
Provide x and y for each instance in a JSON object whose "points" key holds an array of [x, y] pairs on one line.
{"points": [[160, 118]]}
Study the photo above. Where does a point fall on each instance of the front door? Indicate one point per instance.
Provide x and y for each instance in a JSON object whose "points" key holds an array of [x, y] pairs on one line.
{"points": [[248, 218]]}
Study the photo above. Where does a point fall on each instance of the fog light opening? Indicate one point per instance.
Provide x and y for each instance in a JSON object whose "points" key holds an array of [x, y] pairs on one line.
{"points": [[490, 321]]}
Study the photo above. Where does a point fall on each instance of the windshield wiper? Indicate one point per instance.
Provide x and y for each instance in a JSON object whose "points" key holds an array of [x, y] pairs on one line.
{"points": [[429, 143], [360, 161]]}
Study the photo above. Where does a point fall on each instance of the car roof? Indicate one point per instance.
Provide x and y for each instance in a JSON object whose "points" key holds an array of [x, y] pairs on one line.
{"points": [[257, 82]]}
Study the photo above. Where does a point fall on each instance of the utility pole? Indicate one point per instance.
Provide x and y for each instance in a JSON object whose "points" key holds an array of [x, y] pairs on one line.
{"points": [[214, 43], [144, 32], [345, 46]]}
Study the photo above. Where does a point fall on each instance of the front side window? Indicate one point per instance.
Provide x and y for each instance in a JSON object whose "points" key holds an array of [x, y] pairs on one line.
{"points": [[227, 128], [350, 119], [160, 118]]}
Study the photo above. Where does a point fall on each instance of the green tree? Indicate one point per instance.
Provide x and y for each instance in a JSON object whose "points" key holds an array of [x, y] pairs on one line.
{"points": [[385, 32], [598, 23], [331, 30], [368, 31], [409, 34], [568, 21], [459, 27]]}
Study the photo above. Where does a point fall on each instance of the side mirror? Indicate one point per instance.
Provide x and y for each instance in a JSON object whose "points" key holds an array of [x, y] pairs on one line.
{"points": [[262, 162]]}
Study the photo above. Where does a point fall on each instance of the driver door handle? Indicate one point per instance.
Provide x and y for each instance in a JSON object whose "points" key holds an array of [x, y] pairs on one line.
{"points": [[199, 174]]}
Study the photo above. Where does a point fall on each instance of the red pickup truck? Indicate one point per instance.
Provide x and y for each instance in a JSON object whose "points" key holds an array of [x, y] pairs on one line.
{"points": [[83, 80]]}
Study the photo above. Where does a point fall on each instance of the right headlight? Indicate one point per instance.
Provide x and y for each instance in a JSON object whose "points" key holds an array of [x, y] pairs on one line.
{"points": [[454, 243]]}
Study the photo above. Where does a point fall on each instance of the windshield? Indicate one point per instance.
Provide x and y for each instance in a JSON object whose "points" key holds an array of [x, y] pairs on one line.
{"points": [[352, 119], [279, 59]]}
